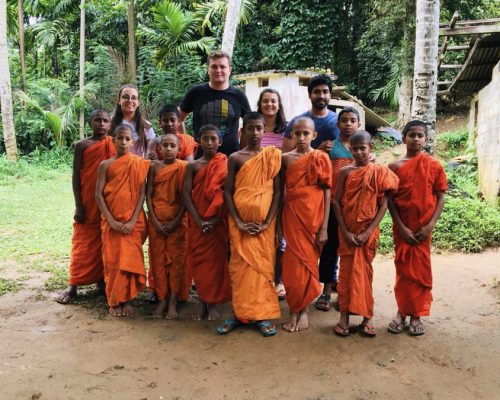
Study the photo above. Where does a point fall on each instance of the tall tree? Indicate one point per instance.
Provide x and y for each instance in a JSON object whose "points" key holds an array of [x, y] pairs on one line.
{"points": [[82, 68], [132, 59], [231, 25], [425, 66], [20, 21], [9, 133]]}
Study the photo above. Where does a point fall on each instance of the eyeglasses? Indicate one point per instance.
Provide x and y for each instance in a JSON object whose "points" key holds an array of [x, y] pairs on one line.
{"points": [[126, 97]]}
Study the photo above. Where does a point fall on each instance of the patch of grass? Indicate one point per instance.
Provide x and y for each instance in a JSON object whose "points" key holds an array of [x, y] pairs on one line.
{"points": [[58, 279], [451, 144], [8, 286]]}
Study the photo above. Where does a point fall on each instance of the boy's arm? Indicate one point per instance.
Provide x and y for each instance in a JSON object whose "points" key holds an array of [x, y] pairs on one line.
{"points": [[363, 237], [322, 235], [273, 210], [349, 236], [403, 230], [172, 225], [149, 199], [151, 149], [129, 226], [79, 216], [186, 194], [423, 232], [101, 203]]}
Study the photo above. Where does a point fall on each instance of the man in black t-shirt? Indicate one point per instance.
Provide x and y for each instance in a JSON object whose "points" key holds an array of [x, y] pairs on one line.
{"points": [[217, 102]]}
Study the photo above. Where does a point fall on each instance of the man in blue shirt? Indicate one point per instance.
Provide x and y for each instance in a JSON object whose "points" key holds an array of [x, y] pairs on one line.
{"points": [[325, 121]]}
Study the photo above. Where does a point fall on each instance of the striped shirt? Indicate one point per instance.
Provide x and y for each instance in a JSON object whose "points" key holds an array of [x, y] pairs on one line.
{"points": [[273, 139]]}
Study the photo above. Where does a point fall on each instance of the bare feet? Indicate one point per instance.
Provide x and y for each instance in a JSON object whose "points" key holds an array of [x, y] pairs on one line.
{"points": [[213, 312], [115, 311], [416, 327], [303, 322], [202, 311], [397, 324], [128, 310], [160, 309], [172, 307], [291, 324], [68, 295]]}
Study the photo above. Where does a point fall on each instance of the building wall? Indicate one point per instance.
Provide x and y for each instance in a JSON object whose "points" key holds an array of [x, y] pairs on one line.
{"points": [[487, 134]]}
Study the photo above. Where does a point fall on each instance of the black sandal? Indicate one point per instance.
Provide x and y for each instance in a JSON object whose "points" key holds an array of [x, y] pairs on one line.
{"points": [[323, 303]]}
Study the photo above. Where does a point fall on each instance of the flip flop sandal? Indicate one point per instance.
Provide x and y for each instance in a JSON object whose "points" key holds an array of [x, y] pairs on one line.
{"points": [[367, 330], [394, 327], [413, 332], [339, 330], [323, 303], [229, 325], [265, 328]]}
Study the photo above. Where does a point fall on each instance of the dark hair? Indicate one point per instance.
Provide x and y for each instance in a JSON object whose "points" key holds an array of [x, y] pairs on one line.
{"points": [[209, 128], [171, 134], [121, 127], [252, 115], [349, 110], [94, 113], [317, 80], [411, 124], [216, 54], [359, 137], [168, 108], [280, 125], [138, 118]]}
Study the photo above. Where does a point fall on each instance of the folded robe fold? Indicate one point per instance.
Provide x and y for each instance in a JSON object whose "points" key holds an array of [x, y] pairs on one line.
{"points": [[253, 256], [209, 251], [86, 245], [419, 180], [303, 214], [123, 257], [168, 253], [363, 191]]}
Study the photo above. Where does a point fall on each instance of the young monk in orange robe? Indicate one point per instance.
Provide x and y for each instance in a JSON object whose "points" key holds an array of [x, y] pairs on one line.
{"points": [[208, 231], [415, 209], [120, 192], [170, 123], [360, 202], [252, 195], [308, 176], [86, 253], [167, 226]]}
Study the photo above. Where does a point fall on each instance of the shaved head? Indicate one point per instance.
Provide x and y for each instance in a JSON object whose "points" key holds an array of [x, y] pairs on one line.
{"points": [[360, 137], [304, 120], [170, 135]]}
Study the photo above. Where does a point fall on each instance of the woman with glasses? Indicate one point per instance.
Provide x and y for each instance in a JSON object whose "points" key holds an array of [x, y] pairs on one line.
{"points": [[128, 112]]}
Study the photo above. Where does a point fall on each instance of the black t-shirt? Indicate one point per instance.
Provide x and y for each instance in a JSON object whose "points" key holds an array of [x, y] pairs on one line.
{"points": [[222, 108]]}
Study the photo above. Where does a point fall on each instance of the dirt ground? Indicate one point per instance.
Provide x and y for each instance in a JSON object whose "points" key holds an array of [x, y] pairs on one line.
{"points": [[51, 351]]}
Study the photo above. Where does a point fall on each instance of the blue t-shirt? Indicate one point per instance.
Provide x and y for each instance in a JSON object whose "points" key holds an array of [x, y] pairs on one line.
{"points": [[326, 127]]}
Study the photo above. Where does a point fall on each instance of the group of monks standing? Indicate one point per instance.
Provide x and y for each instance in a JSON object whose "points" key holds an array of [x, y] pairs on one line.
{"points": [[225, 222]]}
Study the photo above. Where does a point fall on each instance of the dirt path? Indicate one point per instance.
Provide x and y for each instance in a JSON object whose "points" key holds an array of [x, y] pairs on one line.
{"points": [[50, 351]]}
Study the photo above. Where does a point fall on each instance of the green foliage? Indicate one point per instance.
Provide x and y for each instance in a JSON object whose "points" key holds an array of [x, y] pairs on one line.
{"points": [[8, 286], [452, 144]]}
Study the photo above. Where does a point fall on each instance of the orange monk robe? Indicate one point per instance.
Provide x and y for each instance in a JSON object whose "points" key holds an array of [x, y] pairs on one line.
{"points": [[363, 191], [209, 251], [303, 214], [86, 253], [253, 256], [419, 180], [168, 253], [187, 145], [123, 257]]}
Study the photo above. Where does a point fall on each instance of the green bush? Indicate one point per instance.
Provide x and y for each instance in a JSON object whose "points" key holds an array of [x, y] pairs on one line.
{"points": [[452, 144]]}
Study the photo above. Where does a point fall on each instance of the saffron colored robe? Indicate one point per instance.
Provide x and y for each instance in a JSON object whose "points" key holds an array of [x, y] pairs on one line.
{"points": [[86, 265], [168, 253], [419, 180], [363, 191], [253, 256], [123, 257], [209, 251], [187, 147], [303, 214]]}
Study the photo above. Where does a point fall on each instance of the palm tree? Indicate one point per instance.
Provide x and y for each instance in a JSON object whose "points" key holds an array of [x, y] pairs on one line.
{"points": [[174, 32], [425, 67], [231, 25], [20, 22], [132, 59], [9, 133], [82, 67]]}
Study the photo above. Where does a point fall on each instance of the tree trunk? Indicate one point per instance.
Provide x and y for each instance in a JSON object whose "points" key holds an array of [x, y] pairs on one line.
{"points": [[132, 64], [425, 66], [20, 19], [82, 67], [405, 98], [231, 25], [9, 133], [406, 86]]}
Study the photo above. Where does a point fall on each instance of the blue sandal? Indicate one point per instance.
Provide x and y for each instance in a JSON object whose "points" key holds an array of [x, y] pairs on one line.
{"points": [[265, 328], [229, 325]]}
